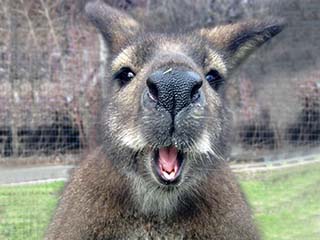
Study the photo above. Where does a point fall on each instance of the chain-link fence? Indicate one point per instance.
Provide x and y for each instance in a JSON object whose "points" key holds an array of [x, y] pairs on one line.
{"points": [[289, 127], [49, 72], [50, 112]]}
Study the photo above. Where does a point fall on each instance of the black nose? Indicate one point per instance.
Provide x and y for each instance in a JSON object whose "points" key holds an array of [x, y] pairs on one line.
{"points": [[174, 89]]}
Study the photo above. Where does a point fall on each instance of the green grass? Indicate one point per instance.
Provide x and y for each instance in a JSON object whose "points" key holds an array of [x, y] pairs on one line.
{"points": [[286, 205], [25, 211]]}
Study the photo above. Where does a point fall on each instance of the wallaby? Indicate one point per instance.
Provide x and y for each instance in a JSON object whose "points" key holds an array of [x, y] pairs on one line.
{"points": [[160, 171]]}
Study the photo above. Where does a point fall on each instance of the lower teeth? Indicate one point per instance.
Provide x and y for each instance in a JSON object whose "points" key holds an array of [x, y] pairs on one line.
{"points": [[169, 176]]}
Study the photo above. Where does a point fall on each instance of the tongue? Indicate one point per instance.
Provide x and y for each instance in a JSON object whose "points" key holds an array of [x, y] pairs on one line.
{"points": [[168, 162]]}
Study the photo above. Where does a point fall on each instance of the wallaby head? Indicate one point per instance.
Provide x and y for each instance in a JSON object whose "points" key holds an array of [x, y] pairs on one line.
{"points": [[164, 121]]}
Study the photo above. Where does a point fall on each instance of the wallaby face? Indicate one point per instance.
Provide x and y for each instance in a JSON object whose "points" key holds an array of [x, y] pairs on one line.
{"points": [[164, 116], [160, 172]]}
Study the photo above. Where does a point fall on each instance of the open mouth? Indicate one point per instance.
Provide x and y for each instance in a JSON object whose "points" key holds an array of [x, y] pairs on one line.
{"points": [[167, 164]]}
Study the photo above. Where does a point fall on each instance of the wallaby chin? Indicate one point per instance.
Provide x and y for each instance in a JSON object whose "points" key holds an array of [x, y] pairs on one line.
{"points": [[160, 172]]}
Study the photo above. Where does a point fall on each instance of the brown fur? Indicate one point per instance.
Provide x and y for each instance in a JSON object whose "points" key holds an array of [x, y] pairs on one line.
{"points": [[99, 205], [114, 194]]}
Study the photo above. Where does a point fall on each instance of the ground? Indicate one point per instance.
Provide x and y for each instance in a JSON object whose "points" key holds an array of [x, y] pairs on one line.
{"points": [[25, 210], [286, 204]]}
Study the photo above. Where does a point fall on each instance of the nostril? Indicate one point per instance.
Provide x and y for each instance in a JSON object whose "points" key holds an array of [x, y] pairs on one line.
{"points": [[153, 90], [195, 94]]}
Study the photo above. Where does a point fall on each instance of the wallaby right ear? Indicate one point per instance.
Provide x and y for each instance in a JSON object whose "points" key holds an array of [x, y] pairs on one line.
{"points": [[115, 26], [237, 41]]}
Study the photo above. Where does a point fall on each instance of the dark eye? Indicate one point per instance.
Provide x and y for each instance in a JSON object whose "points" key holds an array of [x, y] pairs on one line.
{"points": [[214, 79], [124, 76]]}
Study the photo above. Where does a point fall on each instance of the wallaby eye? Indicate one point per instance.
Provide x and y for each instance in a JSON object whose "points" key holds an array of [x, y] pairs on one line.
{"points": [[214, 79], [124, 76]]}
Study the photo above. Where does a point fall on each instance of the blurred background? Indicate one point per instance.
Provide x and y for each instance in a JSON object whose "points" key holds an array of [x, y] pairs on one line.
{"points": [[51, 71]]}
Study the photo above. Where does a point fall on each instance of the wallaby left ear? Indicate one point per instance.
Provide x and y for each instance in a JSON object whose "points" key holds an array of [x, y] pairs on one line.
{"points": [[115, 26], [237, 41]]}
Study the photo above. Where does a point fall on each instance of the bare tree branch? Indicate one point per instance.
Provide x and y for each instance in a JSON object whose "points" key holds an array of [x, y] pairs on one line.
{"points": [[30, 24], [46, 12]]}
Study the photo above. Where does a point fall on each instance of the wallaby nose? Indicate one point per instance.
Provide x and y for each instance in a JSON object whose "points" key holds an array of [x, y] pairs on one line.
{"points": [[174, 89]]}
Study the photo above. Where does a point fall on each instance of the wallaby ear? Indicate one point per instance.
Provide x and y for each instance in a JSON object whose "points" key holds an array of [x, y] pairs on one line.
{"points": [[237, 41], [115, 26]]}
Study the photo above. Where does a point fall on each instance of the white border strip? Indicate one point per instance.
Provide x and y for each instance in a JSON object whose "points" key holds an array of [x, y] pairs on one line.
{"points": [[238, 169], [34, 182]]}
